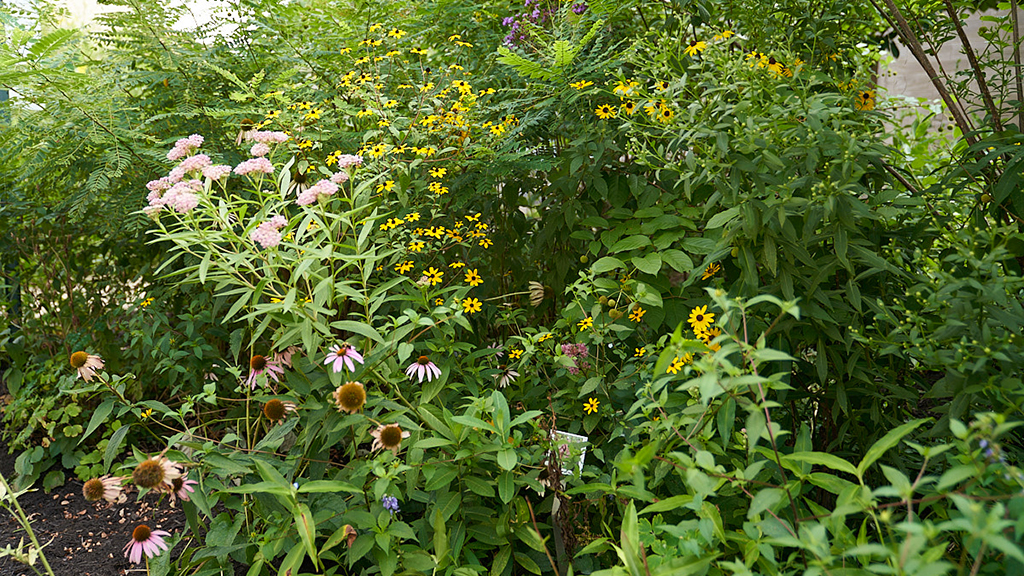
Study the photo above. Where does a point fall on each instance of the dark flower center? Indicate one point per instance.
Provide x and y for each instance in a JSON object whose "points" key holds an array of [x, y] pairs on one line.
{"points": [[78, 359], [177, 483], [93, 490], [141, 533], [391, 436], [423, 361], [700, 318], [247, 124], [148, 474], [258, 362], [274, 410]]}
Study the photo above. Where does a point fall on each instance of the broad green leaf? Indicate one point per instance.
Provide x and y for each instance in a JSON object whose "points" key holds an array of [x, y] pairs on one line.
{"points": [[886, 442]]}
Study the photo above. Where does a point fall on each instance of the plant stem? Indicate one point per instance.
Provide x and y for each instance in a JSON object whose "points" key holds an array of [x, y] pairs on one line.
{"points": [[23, 520]]}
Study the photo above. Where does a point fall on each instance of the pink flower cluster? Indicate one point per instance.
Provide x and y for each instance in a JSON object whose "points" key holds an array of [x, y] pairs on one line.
{"points": [[265, 137], [267, 234], [260, 149], [254, 165], [339, 177], [216, 172], [181, 196], [346, 160], [314, 192], [577, 352], [185, 147]]}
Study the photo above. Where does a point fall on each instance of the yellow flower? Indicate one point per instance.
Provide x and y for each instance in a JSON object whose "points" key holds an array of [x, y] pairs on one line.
{"points": [[498, 129], [456, 264], [474, 217], [628, 107], [404, 267], [586, 323], [637, 314], [378, 150], [412, 216], [396, 33], [661, 86], [433, 275], [416, 246], [146, 302], [438, 172], [363, 60], [515, 353], [383, 122], [665, 115], [365, 112], [581, 84], [471, 305], [625, 87], [700, 319], [639, 352], [590, 406], [695, 48], [545, 336], [865, 100], [473, 278], [375, 27], [711, 270], [418, 51], [146, 413], [724, 35], [678, 363], [604, 111], [344, 51], [486, 243], [386, 186]]}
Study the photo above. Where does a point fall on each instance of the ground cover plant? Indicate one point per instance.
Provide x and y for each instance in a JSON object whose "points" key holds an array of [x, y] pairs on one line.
{"points": [[467, 288]]}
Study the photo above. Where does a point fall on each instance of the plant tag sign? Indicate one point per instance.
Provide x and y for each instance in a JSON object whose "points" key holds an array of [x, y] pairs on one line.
{"points": [[572, 449]]}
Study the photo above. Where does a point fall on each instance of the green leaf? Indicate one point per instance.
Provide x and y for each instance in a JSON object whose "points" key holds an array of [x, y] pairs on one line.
{"points": [[507, 458], [822, 459], [886, 442], [606, 264], [307, 530], [506, 487], [358, 328], [329, 486], [630, 243], [677, 259], [722, 218], [98, 417], [114, 447], [650, 264]]}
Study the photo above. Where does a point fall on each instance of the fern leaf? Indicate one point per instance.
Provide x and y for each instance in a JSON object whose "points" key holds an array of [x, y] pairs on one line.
{"points": [[523, 66]]}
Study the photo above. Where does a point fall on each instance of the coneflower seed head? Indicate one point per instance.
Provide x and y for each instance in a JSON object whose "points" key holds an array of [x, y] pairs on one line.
{"points": [[148, 474], [93, 490], [257, 362], [274, 410], [141, 533], [78, 359]]}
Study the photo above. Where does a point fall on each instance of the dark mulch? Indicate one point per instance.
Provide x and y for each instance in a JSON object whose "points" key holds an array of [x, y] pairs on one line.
{"points": [[85, 538]]}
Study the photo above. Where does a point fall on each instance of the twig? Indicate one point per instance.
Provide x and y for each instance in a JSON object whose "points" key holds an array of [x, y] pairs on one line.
{"points": [[978, 74]]}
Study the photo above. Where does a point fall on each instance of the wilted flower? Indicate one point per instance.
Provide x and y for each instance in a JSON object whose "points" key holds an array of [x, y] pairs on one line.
{"points": [[86, 364], [105, 487], [388, 437], [155, 473], [350, 397], [277, 410], [181, 488], [284, 357], [506, 376], [145, 540], [423, 368]]}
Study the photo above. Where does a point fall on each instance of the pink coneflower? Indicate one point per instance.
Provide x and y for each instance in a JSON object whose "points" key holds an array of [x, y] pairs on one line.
{"points": [[284, 357], [258, 365], [86, 364], [423, 368], [388, 437], [506, 376], [343, 355], [181, 488], [277, 410], [145, 540], [105, 487]]}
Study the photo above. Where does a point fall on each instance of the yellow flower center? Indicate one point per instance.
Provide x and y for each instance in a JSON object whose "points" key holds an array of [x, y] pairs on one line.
{"points": [[391, 436], [78, 359]]}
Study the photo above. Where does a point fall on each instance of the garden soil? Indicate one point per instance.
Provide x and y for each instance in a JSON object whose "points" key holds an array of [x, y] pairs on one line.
{"points": [[84, 538]]}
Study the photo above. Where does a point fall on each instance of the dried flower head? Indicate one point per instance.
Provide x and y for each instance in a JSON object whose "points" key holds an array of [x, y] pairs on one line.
{"points": [[155, 473], [86, 364], [106, 487], [350, 397], [388, 437]]}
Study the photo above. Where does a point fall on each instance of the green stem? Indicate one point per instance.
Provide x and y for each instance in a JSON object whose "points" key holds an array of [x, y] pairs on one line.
{"points": [[23, 520]]}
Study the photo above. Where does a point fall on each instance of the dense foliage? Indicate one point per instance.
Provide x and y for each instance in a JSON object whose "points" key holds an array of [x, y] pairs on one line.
{"points": [[466, 288]]}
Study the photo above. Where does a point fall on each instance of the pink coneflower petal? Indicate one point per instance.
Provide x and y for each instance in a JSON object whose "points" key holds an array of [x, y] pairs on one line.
{"points": [[343, 356]]}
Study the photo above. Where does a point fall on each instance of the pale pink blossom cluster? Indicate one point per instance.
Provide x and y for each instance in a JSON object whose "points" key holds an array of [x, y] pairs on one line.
{"points": [[339, 177], [160, 185], [260, 149], [267, 234], [314, 192], [185, 147], [181, 196], [195, 163], [254, 165], [217, 171], [346, 160], [269, 137]]}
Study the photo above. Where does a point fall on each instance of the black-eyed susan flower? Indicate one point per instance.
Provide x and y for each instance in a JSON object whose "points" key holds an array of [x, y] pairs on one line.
{"points": [[639, 352], [486, 243], [515, 353], [86, 364], [416, 245], [604, 111], [628, 107], [865, 100], [711, 270], [700, 319], [661, 85], [438, 172], [581, 84], [695, 47], [590, 406], [350, 397], [471, 305], [586, 323], [678, 362], [388, 437], [403, 267], [625, 87], [473, 278], [637, 314], [433, 276]]}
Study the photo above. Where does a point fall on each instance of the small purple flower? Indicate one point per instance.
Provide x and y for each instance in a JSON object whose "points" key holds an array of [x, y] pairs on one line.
{"points": [[579, 8], [344, 355], [390, 504]]}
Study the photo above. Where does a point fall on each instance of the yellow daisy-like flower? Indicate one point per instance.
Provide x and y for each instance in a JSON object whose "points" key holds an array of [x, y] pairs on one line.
{"points": [[383, 123], [700, 319], [628, 107], [412, 216], [661, 86], [708, 336], [604, 111], [404, 267], [386, 186], [418, 51], [515, 353], [586, 323], [695, 48], [433, 275], [396, 33], [865, 100], [456, 264], [678, 363], [711, 270], [637, 314], [639, 352], [486, 243], [665, 115], [473, 278], [471, 305], [438, 172], [625, 87], [416, 246], [724, 35], [498, 129], [545, 336], [590, 406], [438, 301], [581, 84]]}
